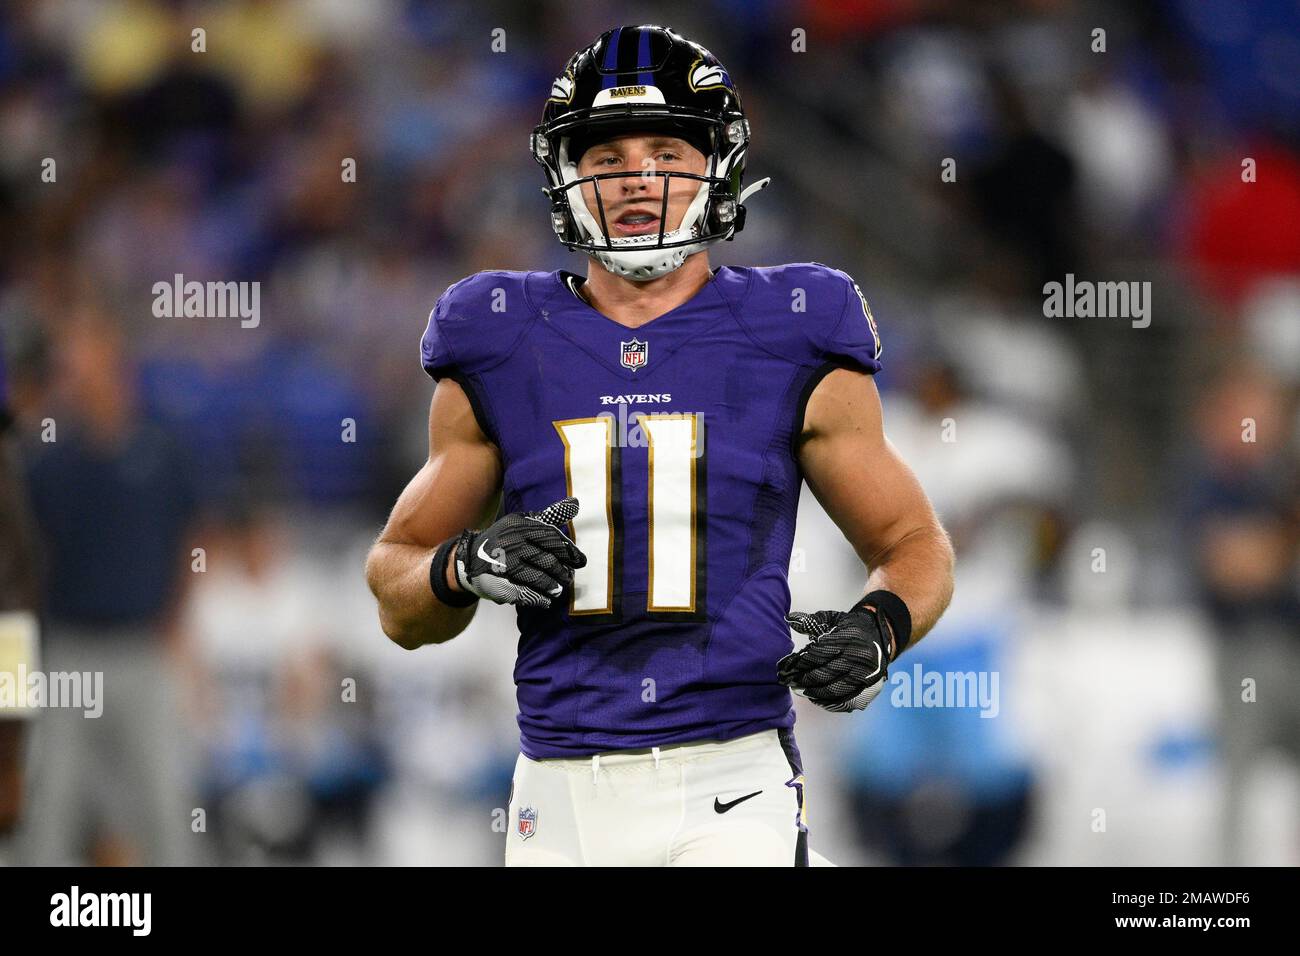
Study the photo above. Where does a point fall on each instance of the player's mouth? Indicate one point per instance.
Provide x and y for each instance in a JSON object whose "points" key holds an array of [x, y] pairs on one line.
{"points": [[636, 223]]}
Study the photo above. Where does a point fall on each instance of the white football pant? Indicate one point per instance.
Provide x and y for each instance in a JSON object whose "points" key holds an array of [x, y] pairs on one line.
{"points": [[706, 803]]}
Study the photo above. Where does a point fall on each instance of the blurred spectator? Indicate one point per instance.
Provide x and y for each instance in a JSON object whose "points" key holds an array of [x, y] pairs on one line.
{"points": [[18, 601], [288, 766], [947, 781], [1024, 192], [1243, 511], [113, 499], [940, 783], [1241, 230]]}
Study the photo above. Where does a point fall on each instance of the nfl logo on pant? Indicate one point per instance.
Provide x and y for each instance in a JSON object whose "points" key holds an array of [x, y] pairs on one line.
{"points": [[527, 822]]}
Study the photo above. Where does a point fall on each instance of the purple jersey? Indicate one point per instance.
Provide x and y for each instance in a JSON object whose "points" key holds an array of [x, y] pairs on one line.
{"points": [[677, 440]]}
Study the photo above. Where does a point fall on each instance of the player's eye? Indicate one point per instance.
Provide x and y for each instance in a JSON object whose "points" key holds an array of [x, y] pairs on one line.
{"points": [[669, 155]]}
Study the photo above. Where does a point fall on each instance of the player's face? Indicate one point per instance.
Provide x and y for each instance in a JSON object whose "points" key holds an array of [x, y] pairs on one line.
{"points": [[633, 203]]}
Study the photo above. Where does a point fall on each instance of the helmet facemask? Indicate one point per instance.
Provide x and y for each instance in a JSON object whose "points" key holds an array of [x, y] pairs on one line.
{"points": [[714, 213], [644, 257]]}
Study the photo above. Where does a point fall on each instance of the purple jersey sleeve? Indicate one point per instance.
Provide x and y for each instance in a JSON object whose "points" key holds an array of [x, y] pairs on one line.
{"points": [[474, 327], [437, 352], [809, 314], [854, 338], [475, 324]]}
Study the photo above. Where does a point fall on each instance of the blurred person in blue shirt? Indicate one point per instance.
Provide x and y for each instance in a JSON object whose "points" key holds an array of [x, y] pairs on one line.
{"points": [[113, 500], [940, 784], [936, 773], [289, 765]]}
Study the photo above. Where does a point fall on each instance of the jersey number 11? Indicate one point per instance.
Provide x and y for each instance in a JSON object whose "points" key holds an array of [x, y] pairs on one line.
{"points": [[592, 465]]}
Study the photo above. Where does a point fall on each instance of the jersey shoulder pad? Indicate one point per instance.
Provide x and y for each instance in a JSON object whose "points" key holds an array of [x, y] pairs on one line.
{"points": [[812, 314], [476, 323]]}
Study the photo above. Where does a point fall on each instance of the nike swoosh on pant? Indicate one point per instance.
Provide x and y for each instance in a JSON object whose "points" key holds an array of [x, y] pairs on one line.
{"points": [[721, 807]]}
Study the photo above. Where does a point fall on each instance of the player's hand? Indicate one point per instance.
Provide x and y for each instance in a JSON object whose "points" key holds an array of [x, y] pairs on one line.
{"points": [[523, 558], [845, 664]]}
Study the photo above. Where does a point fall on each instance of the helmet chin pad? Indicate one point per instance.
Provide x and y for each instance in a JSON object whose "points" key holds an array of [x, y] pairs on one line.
{"points": [[642, 265]]}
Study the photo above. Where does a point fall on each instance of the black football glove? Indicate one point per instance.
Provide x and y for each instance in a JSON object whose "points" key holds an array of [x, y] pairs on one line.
{"points": [[845, 664], [523, 558]]}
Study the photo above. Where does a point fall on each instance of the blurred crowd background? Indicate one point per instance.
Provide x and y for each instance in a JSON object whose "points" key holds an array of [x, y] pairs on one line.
{"points": [[1127, 541]]}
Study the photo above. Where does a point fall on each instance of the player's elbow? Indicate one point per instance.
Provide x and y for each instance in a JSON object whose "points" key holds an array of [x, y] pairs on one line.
{"points": [[375, 571], [946, 549], [946, 559], [400, 634], [411, 633], [931, 538], [398, 628], [404, 630]]}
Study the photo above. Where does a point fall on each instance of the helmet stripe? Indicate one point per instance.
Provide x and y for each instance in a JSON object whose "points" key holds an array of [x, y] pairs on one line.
{"points": [[643, 60], [610, 66], [616, 66]]}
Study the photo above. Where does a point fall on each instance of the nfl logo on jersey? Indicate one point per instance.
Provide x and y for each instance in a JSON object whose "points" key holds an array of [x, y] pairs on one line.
{"points": [[527, 822], [635, 354]]}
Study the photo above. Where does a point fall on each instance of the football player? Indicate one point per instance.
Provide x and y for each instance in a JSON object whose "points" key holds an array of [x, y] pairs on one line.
{"points": [[620, 456]]}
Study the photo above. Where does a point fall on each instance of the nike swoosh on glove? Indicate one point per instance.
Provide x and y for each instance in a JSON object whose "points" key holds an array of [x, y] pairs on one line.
{"points": [[845, 664], [523, 558]]}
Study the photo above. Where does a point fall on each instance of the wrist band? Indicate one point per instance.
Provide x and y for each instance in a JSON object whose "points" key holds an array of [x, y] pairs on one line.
{"points": [[892, 608], [438, 578]]}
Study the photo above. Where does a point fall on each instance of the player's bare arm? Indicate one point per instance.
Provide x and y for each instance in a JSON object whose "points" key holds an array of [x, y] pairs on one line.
{"points": [[431, 564], [456, 487], [875, 499]]}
